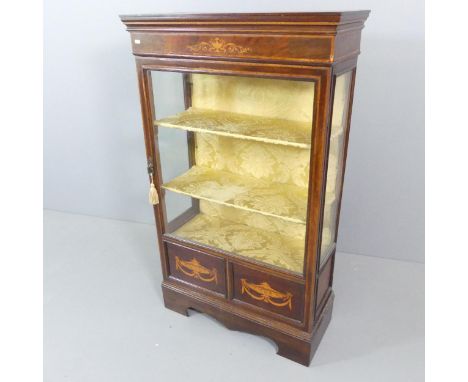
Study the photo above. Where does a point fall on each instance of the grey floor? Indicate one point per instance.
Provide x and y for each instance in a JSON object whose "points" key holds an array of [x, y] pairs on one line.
{"points": [[104, 318]]}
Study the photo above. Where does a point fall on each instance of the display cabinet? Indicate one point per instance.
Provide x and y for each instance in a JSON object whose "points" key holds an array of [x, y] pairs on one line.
{"points": [[246, 123]]}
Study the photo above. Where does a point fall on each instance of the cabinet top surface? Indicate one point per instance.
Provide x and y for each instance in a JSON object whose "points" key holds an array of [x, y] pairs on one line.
{"points": [[293, 18]]}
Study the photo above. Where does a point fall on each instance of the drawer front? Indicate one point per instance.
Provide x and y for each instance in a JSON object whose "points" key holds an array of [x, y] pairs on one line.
{"points": [[272, 293], [197, 268], [270, 47]]}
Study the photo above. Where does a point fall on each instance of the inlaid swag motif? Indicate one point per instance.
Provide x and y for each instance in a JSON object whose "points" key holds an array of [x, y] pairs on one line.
{"points": [[194, 269], [264, 292], [218, 45]]}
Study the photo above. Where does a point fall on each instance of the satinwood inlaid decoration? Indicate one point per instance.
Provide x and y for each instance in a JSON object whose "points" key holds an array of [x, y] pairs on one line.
{"points": [[218, 45], [194, 269], [264, 292]]}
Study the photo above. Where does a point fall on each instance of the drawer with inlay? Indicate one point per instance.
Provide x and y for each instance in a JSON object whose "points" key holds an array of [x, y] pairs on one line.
{"points": [[268, 292], [197, 268]]}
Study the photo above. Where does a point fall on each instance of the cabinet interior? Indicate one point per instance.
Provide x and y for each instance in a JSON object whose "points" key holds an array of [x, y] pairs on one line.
{"points": [[246, 164]]}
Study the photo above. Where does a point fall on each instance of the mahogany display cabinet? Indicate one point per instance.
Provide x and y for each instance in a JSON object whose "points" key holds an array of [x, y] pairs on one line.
{"points": [[246, 121]]}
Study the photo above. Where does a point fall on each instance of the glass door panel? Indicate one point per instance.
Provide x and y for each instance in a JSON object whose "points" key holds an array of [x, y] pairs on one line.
{"points": [[236, 151]]}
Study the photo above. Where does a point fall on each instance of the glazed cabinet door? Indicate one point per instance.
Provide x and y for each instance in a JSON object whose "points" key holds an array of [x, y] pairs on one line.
{"points": [[233, 159]]}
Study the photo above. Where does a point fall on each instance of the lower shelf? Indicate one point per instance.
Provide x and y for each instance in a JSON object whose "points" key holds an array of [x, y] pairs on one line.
{"points": [[265, 246], [285, 201]]}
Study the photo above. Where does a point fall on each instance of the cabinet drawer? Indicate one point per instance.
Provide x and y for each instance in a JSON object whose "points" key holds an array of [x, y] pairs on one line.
{"points": [[197, 268], [272, 293]]}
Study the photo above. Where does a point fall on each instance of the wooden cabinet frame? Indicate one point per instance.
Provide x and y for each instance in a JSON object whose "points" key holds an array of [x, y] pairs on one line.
{"points": [[313, 47]]}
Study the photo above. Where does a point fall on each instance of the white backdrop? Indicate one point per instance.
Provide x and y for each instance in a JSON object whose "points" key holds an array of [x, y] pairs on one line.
{"points": [[94, 161]]}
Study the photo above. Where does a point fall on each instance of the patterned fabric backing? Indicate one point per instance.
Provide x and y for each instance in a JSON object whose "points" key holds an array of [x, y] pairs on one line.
{"points": [[279, 173], [262, 97], [274, 163], [270, 240]]}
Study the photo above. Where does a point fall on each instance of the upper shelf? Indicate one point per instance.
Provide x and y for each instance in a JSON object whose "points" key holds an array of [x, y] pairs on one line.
{"points": [[242, 126]]}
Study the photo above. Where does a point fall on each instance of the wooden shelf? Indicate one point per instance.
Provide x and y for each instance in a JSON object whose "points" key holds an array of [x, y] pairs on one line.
{"points": [[285, 201], [269, 247], [242, 126]]}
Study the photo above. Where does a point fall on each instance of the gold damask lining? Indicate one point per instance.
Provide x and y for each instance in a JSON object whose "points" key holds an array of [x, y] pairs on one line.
{"points": [[273, 163], [252, 153], [266, 246], [261, 97], [254, 219]]}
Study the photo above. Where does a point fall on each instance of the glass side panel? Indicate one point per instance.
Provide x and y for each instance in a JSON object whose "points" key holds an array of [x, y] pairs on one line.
{"points": [[237, 151], [168, 97], [335, 163]]}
